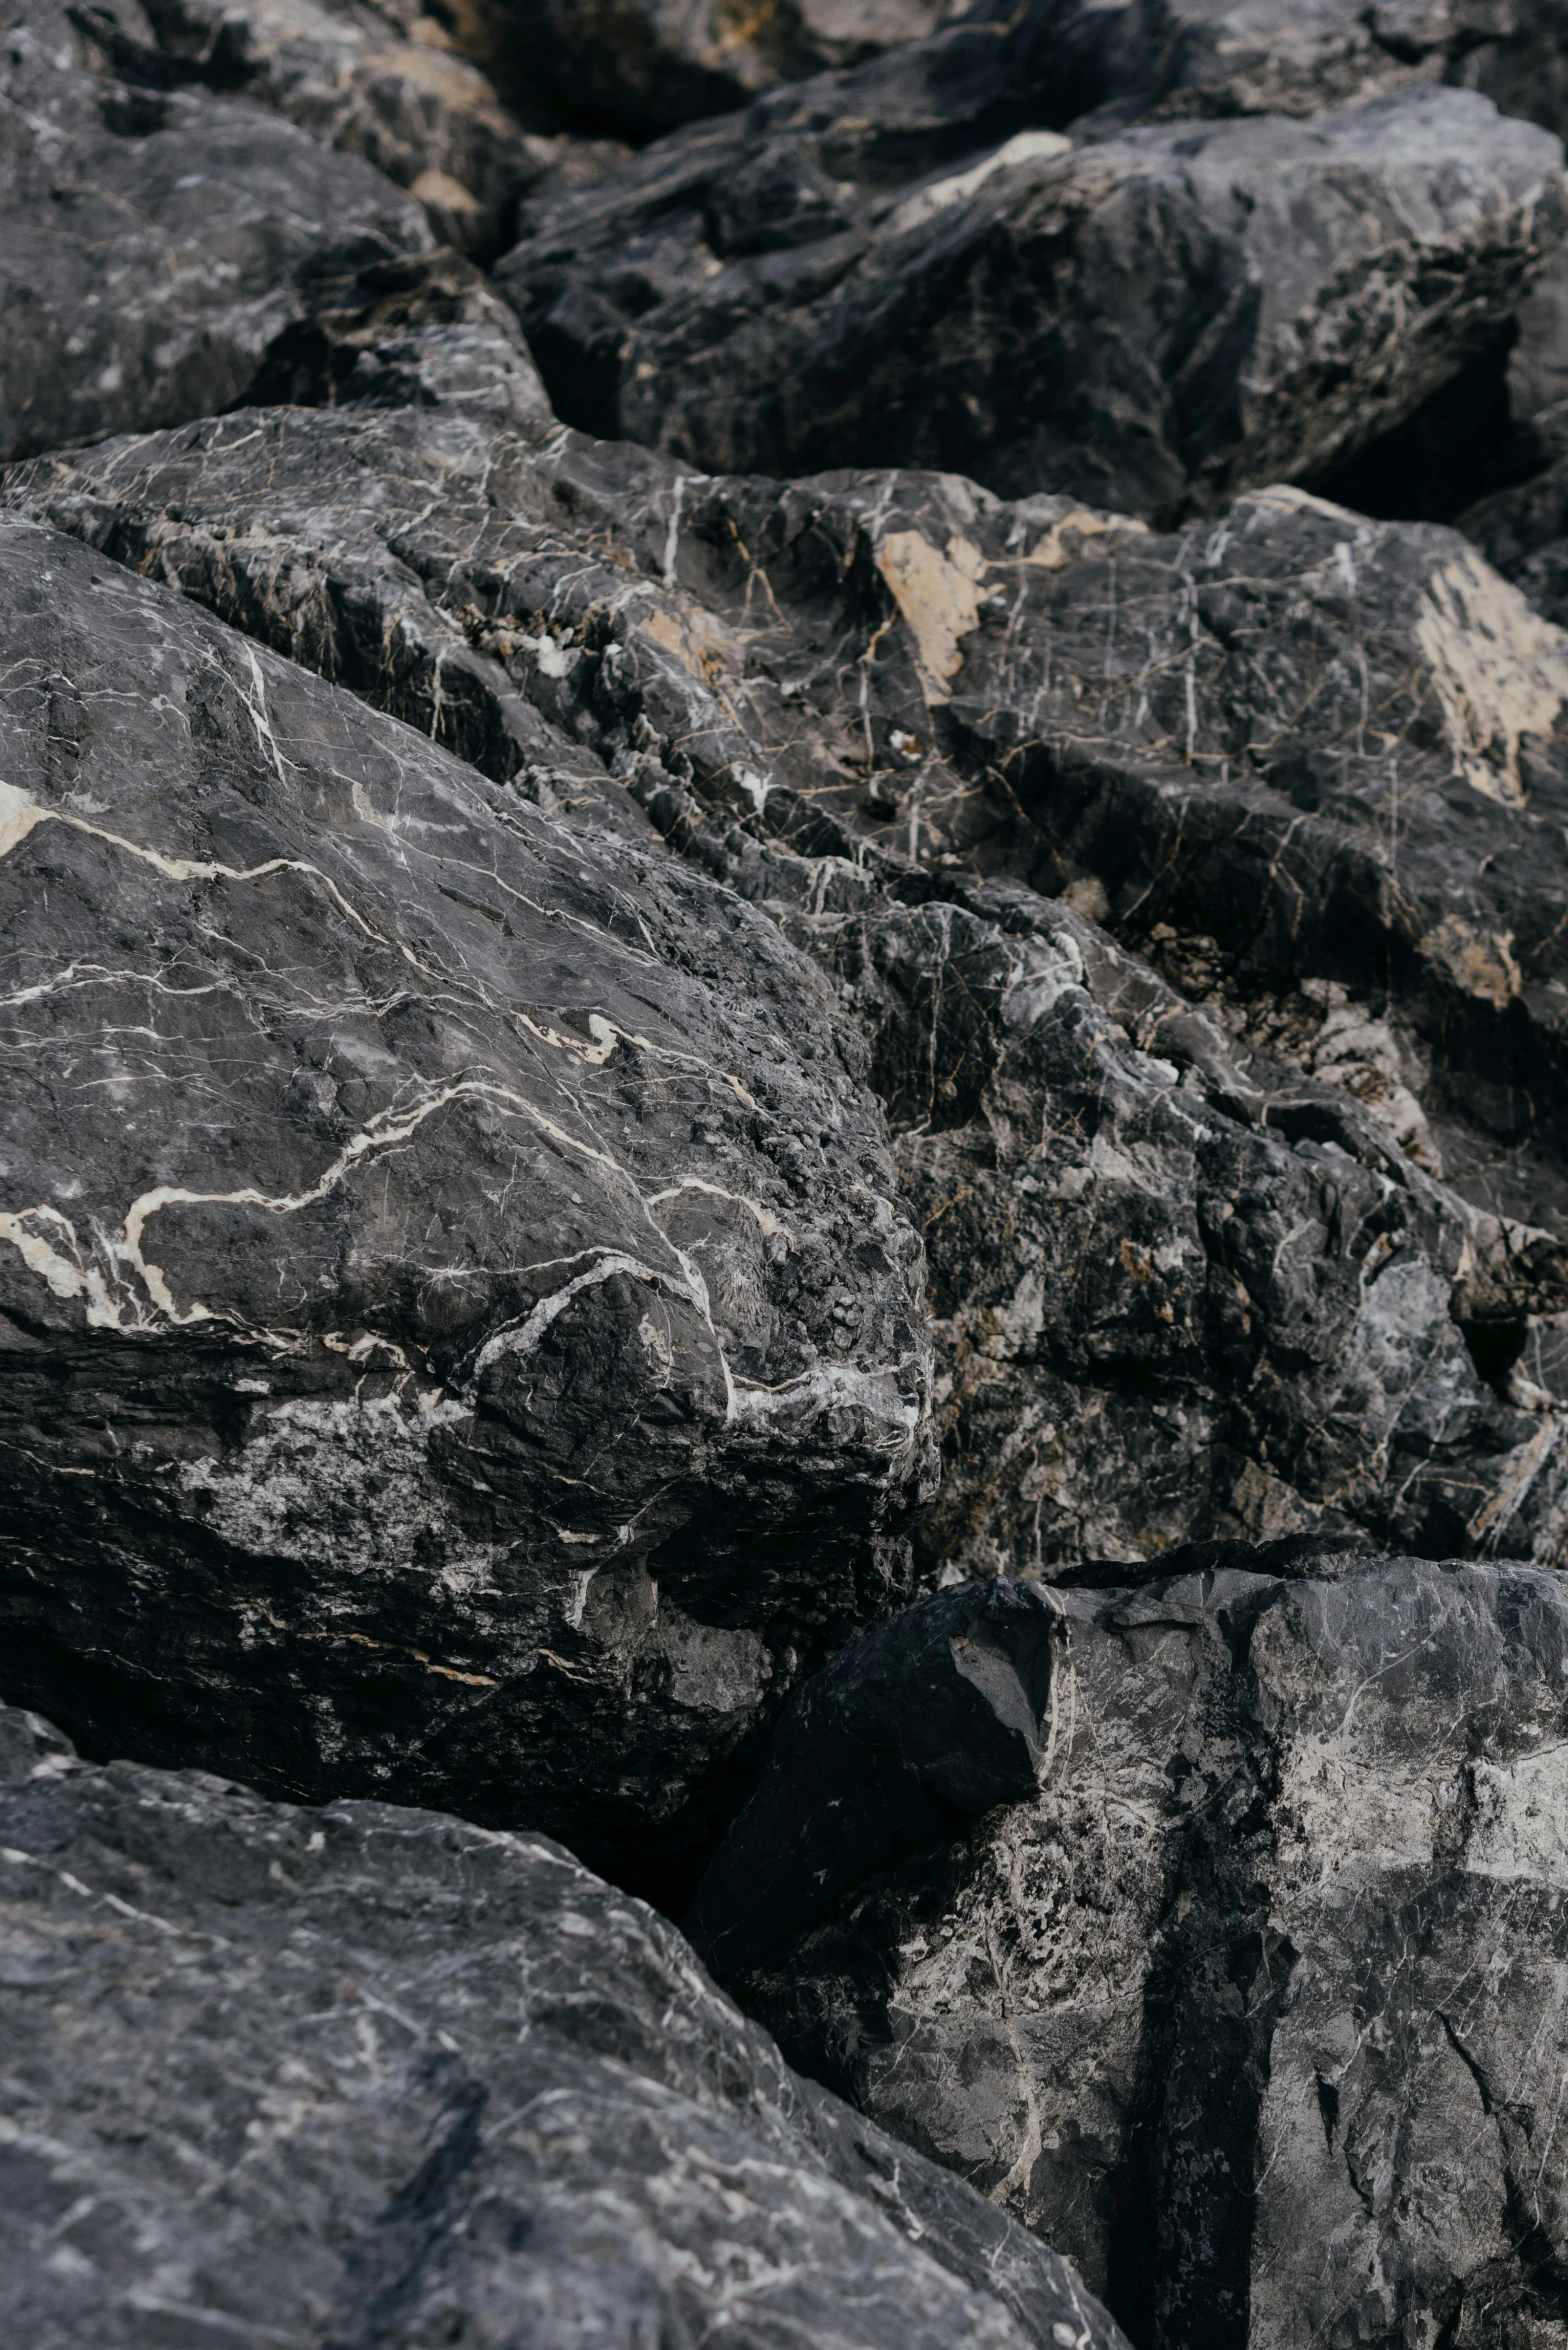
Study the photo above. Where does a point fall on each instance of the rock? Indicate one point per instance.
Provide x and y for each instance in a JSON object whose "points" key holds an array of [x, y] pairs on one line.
{"points": [[647, 65], [424, 331], [1523, 531], [1150, 323], [1272, 1243], [886, 1753], [158, 242], [385, 82], [364, 2074], [1254, 2007], [460, 1335]]}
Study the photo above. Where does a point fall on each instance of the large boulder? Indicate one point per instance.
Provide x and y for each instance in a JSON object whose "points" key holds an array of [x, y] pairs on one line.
{"points": [[1254, 2006], [460, 1336], [1151, 322], [1286, 1257], [370, 2075]]}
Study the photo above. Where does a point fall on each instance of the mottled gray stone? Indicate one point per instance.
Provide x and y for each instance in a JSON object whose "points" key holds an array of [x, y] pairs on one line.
{"points": [[460, 1337], [1272, 1242], [156, 243], [362, 2075], [382, 78], [1151, 322], [1256, 2006]]}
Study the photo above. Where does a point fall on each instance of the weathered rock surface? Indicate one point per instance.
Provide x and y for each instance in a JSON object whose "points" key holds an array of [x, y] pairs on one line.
{"points": [[459, 1336], [647, 65], [386, 81], [1290, 1260], [155, 245], [370, 2075], [1256, 2006], [1150, 322]]}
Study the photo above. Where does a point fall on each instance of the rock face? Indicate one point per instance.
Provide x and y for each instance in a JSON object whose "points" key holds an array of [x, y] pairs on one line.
{"points": [[1291, 1260], [1144, 322], [1255, 2006], [361, 2074], [459, 1334]]}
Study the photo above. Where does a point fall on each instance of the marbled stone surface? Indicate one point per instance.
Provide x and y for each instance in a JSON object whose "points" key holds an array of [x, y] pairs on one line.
{"points": [[366, 2075], [1272, 1242], [462, 1338], [601, 961], [1256, 2007]]}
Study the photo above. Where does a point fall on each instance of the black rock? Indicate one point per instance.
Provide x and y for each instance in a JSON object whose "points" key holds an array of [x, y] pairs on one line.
{"points": [[386, 83], [1254, 2006], [361, 2075], [1150, 322], [646, 65], [887, 1752], [460, 1338], [1287, 1257], [157, 242]]}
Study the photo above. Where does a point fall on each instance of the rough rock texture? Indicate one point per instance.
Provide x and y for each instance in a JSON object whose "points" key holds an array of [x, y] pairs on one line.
{"points": [[155, 246], [1292, 1259], [1149, 322], [385, 82], [377, 2076], [887, 1752], [1256, 2007], [459, 1336], [646, 65]]}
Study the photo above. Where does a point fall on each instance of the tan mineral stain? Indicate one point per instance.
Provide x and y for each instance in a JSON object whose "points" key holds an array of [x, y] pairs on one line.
{"points": [[1499, 671], [939, 595], [1480, 962]]}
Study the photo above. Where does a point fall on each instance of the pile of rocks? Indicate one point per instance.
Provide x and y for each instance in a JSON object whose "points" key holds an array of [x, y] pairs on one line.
{"points": [[782, 842]]}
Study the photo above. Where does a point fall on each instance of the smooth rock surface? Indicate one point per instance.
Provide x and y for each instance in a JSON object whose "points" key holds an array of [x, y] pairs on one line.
{"points": [[1256, 2007], [460, 1338], [1292, 1259], [157, 243], [1151, 322], [378, 2076]]}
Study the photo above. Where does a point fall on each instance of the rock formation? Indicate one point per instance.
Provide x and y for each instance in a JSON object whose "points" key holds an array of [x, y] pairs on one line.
{"points": [[366, 2075], [679, 829], [1287, 1256], [1139, 321], [1255, 2006], [443, 1237]]}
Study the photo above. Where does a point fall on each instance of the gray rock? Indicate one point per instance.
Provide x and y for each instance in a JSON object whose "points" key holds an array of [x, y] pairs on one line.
{"points": [[647, 65], [383, 81], [460, 1338], [378, 2076], [1151, 322], [1273, 1242], [1255, 2006], [157, 243]]}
